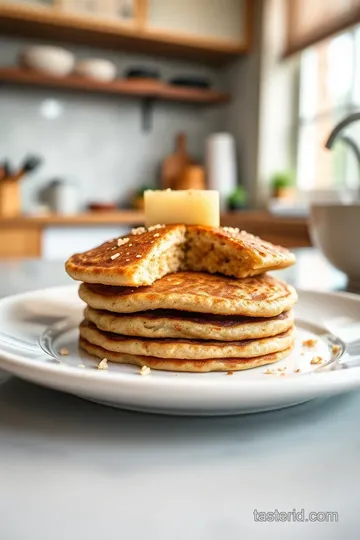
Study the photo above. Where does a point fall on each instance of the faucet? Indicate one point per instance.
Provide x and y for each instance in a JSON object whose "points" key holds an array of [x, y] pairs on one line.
{"points": [[336, 134]]}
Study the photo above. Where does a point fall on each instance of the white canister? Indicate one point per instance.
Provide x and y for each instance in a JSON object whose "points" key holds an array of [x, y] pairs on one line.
{"points": [[64, 197], [221, 165]]}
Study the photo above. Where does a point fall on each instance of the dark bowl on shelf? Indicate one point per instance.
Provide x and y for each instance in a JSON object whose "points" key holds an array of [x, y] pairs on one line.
{"points": [[191, 82], [141, 73]]}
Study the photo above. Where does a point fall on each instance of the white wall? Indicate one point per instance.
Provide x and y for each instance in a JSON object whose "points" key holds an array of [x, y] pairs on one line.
{"points": [[241, 117], [278, 98]]}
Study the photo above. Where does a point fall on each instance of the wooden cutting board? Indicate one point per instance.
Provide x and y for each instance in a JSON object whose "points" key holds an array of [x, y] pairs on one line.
{"points": [[174, 165]]}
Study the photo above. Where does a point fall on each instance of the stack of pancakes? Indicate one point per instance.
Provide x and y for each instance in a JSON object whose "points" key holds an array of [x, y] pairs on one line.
{"points": [[183, 298]]}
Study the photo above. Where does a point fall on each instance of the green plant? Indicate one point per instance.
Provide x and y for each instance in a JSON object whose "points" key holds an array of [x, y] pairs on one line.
{"points": [[281, 180], [142, 189], [238, 197]]}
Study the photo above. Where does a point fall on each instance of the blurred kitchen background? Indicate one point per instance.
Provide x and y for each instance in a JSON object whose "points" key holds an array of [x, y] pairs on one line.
{"points": [[101, 99]]}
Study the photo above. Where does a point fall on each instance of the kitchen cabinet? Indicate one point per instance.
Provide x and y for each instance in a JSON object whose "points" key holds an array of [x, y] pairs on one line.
{"points": [[122, 11], [56, 237], [211, 31], [214, 20], [19, 241]]}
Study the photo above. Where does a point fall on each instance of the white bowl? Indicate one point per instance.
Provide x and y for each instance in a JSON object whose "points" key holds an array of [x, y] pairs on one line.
{"points": [[96, 68], [335, 229], [54, 61]]}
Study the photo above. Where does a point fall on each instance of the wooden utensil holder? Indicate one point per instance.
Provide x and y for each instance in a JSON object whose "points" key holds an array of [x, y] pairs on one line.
{"points": [[10, 203]]}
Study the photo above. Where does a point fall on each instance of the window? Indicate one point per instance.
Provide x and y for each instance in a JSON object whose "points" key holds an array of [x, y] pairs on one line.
{"points": [[329, 90]]}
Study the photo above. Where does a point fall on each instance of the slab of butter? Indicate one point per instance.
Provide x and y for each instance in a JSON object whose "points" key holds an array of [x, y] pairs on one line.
{"points": [[190, 207]]}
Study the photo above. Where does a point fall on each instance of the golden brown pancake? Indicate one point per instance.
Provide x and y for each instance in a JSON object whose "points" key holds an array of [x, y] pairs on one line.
{"points": [[260, 296], [229, 251], [167, 323], [146, 255], [185, 348], [193, 366], [142, 257]]}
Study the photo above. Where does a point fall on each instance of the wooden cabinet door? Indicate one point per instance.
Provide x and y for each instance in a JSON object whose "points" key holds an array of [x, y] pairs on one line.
{"points": [[212, 20], [122, 11], [20, 242]]}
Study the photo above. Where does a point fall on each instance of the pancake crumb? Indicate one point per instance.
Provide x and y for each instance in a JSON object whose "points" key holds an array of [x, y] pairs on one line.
{"points": [[154, 227], [64, 351], [145, 370], [297, 370], [283, 374], [309, 342], [269, 371], [335, 349], [115, 256], [316, 360], [122, 241], [282, 368], [230, 373], [103, 364], [138, 230], [231, 230]]}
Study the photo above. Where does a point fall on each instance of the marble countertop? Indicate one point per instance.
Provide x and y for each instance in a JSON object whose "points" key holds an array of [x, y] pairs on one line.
{"points": [[70, 469]]}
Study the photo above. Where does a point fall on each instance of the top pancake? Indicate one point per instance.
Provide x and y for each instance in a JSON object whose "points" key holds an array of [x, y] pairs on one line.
{"points": [[146, 255], [232, 252], [261, 296], [136, 259]]}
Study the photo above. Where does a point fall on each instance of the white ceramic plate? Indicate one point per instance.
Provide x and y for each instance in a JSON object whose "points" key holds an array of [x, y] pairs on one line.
{"points": [[36, 325]]}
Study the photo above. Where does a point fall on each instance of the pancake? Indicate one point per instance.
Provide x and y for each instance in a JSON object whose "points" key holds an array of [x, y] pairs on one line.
{"points": [[184, 324], [141, 258], [193, 366], [229, 251], [261, 296], [145, 255], [185, 348]]}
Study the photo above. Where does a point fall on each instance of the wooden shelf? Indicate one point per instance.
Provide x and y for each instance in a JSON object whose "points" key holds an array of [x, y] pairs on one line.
{"points": [[46, 23], [119, 217], [128, 87], [285, 231]]}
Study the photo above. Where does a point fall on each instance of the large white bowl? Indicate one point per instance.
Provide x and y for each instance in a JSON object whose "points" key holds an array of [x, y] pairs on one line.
{"points": [[335, 229], [54, 61], [97, 69]]}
